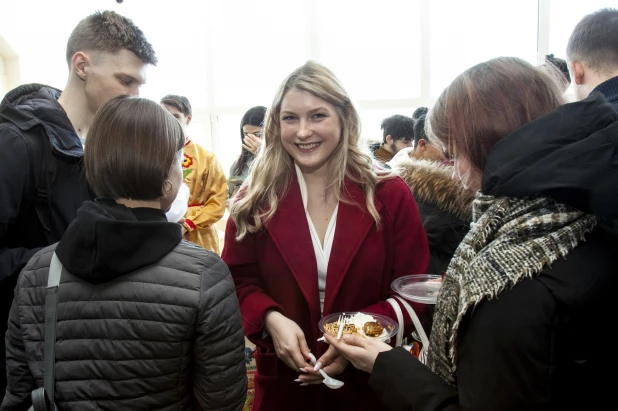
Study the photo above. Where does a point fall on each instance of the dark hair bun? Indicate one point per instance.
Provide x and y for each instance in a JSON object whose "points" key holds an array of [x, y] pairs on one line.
{"points": [[419, 112]]}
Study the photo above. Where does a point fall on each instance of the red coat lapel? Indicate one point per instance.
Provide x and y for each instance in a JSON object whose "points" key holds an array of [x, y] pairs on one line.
{"points": [[353, 225], [289, 230]]}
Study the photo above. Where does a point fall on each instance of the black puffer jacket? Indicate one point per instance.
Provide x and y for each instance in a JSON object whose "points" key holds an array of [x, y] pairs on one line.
{"points": [[546, 343], [145, 321]]}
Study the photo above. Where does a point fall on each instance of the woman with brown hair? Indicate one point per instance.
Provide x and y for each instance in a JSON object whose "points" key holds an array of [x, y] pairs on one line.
{"points": [[144, 320], [314, 230], [525, 312]]}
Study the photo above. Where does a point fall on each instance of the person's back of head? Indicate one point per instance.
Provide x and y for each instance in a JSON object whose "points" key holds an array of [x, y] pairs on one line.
{"points": [[134, 152], [423, 147], [486, 103], [558, 65], [592, 50], [107, 55], [419, 129], [420, 112]]}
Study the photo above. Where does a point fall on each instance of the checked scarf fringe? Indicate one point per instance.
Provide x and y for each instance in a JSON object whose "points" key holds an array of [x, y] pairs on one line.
{"points": [[511, 239]]}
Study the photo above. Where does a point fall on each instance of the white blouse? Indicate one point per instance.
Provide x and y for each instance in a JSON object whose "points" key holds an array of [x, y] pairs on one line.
{"points": [[322, 254]]}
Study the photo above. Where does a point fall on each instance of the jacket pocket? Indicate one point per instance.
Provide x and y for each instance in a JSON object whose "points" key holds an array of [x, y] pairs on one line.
{"points": [[266, 363]]}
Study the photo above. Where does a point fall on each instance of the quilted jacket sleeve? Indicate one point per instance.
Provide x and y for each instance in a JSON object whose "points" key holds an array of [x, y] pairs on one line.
{"points": [[20, 382], [220, 381]]}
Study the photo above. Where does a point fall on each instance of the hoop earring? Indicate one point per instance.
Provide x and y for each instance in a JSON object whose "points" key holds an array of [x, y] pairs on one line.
{"points": [[166, 191]]}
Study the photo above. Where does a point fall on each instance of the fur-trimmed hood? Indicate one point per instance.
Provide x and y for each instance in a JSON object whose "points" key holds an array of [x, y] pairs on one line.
{"points": [[431, 183]]}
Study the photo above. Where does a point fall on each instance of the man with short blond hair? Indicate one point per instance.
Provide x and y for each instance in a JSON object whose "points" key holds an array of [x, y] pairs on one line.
{"points": [[42, 131]]}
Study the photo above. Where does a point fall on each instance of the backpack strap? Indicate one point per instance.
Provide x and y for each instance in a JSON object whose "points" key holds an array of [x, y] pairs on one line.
{"points": [[43, 397], [51, 305]]}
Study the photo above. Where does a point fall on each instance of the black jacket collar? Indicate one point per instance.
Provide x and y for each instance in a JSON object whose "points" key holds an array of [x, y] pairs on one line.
{"points": [[33, 105], [569, 154], [609, 89]]}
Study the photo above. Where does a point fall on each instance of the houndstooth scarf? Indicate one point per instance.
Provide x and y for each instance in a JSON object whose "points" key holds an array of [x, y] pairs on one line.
{"points": [[510, 239]]}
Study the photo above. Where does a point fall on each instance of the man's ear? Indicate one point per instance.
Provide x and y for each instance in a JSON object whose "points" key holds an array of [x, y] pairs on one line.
{"points": [[189, 118], [422, 144], [389, 140], [577, 72], [80, 63]]}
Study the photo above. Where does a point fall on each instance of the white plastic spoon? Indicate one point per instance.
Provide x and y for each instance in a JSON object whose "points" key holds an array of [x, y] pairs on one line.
{"points": [[330, 382]]}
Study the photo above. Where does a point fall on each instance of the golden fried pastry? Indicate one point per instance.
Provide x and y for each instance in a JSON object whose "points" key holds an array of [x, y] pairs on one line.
{"points": [[373, 329]]}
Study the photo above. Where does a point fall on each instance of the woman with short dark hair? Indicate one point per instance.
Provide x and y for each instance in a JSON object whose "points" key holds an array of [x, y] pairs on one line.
{"points": [[144, 320], [525, 313]]}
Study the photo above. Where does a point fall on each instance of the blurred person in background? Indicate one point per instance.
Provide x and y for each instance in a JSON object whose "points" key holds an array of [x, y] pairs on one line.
{"points": [[561, 66], [398, 133], [205, 178], [444, 204], [251, 138]]}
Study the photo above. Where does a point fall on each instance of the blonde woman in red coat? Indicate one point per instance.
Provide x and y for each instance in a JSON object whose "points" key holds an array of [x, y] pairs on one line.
{"points": [[316, 230]]}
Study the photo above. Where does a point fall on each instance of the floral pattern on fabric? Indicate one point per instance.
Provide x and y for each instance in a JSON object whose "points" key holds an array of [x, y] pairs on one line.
{"points": [[251, 368]]}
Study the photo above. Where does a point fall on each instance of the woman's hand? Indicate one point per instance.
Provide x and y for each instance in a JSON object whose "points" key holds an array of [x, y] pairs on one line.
{"points": [[251, 143], [334, 363], [289, 340], [362, 352], [184, 231]]}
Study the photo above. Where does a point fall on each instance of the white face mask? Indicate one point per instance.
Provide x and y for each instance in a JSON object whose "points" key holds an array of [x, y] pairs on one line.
{"points": [[179, 206]]}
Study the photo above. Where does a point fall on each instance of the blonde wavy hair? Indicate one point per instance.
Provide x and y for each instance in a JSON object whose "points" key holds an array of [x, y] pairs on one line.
{"points": [[273, 168]]}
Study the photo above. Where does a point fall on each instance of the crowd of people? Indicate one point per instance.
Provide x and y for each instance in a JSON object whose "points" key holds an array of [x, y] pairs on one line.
{"points": [[502, 187]]}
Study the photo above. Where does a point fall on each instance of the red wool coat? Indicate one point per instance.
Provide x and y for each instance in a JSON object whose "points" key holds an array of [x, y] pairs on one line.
{"points": [[276, 269]]}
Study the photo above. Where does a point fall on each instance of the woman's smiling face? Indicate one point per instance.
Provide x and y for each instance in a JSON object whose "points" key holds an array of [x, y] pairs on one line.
{"points": [[310, 129]]}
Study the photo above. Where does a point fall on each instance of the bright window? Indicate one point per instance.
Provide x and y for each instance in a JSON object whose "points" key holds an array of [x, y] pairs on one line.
{"points": [[228, 129], [256, 44], [565, 16], [371, 120], [227, 56], [3, 89], [465, 33], [373, 48]]}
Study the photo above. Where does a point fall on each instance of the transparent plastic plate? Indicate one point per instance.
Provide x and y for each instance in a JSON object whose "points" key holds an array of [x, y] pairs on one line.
{"points": [[420, 288], [390, 326]]}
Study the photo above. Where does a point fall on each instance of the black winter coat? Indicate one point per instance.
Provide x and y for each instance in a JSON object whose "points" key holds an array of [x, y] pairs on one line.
{"points": [[545, 344], [445, 207], [609, 89], [33, 110], [145, 321]]}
